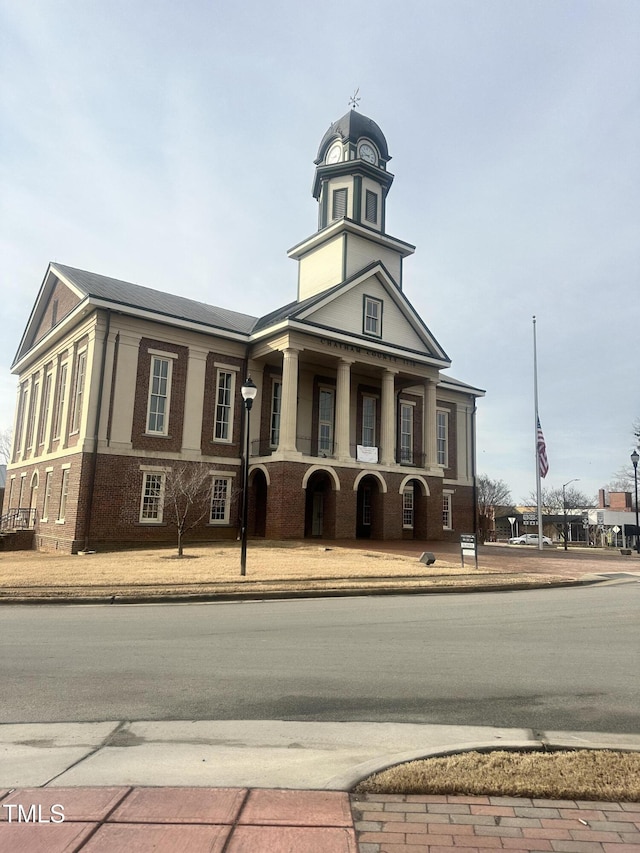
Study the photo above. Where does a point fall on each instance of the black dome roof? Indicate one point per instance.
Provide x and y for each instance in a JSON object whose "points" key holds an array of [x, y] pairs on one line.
{"points": [[351, 127]]}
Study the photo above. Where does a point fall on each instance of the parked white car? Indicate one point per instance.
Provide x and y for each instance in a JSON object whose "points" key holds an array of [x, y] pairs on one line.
{"points": [[529, 539]]}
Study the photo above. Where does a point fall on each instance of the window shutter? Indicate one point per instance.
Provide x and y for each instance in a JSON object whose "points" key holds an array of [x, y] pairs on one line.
{"points": [[371, 207], [339, 203]]}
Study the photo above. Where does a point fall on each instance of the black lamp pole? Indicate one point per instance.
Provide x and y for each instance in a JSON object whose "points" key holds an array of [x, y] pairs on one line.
{"points": [[634, 459], [249, 392]]}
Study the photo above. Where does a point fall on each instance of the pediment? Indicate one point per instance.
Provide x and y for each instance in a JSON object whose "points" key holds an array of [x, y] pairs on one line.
{"points": [[341, 311], [56, 299]]}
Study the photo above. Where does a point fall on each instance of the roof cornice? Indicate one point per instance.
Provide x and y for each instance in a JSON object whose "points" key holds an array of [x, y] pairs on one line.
{"points": [[301, 249]]}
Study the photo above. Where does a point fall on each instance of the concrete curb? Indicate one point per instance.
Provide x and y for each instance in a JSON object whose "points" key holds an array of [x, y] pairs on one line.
{"points": [[261, 595], [559, 741]]}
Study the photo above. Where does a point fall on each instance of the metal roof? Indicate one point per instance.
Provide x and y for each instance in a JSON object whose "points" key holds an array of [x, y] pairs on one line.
{"points": [[135, 296]]}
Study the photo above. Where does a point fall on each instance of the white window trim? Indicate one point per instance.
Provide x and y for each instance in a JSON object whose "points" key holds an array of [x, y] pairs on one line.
{"points": [[76, 411], [31, 437], [62, 507], [374, 399], [232, 397], [408, 490], [162, 354], [331, 390], [46, 505], [274, 383], [45, 408], [444, 412], [168, 357], [447, 496], [403, 404], [373, 301], [229, 478], [146, 472], [60, 400]]}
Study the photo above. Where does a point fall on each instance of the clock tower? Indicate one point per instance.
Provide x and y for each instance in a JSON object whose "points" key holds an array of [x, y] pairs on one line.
{"points": [[351, 184]]}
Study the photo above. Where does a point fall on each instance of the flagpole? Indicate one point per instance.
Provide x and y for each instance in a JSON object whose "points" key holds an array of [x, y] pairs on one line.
{"points": [[535, 435]]}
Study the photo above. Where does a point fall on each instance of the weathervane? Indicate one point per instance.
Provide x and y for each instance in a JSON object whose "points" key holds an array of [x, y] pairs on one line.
{"points": [[354, 100]]}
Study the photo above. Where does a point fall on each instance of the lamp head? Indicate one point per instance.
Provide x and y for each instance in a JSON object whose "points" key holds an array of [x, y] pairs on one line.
{"points": [[248, 392], [635, 457]]}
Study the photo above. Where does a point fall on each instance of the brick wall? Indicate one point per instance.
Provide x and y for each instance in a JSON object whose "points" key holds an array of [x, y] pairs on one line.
{"points": [[66, 300], [209, 446], [173, 440]]}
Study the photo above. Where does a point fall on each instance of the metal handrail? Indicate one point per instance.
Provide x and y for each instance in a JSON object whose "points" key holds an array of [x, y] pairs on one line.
{"points": [[19, 518]]}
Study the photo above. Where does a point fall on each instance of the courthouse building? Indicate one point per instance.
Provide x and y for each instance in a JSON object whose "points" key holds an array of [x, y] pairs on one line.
{"points": [[357, 429]]}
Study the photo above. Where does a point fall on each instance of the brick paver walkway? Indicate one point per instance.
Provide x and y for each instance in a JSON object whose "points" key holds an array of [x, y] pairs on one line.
{"points": [[239, 820], [394, 823], [177, 820]]}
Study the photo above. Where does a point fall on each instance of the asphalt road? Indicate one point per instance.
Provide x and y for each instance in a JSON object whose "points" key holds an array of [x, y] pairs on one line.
{"points": [[541, 659]]}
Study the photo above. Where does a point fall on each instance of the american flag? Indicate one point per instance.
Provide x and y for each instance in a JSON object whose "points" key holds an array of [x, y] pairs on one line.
{"points": [[543, 462]]}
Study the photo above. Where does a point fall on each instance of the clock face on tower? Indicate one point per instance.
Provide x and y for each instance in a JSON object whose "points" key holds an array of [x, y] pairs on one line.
{"points": [[367, 153], [334, 155]]}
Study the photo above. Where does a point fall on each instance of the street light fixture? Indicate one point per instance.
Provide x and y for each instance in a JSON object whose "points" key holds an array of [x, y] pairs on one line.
{"points": [[635, 456], [564, 506], [249, 392]]}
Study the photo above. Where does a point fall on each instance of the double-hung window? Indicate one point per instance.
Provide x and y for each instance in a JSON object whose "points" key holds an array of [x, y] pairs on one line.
{"points": [[64, 492], [326, 409], [159, 395], [220, 500], [44, 408], [442, 425], [225, 384], [372, 319], [22, 411], [368, 421], [406, 433], [152, 500], [78, 396], [47, 495], [407, 508], [276, 410], [32, 413], [62, 390], [447, 523]]}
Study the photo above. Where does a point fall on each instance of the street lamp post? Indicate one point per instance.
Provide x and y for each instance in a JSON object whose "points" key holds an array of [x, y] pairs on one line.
{"points": [[564, 507], [634, 460], [249, 392]]}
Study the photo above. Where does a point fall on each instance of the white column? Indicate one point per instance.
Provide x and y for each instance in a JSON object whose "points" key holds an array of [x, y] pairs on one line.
{"points": [[343, 409], [429, 425], [194, 402], [289, 415], [388, 418]]}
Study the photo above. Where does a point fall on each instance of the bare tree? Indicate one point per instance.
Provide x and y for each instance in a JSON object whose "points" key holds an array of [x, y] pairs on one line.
{"points": [[489, 494], [623, 479], [6, 440], [553, 500], [187, 497]]}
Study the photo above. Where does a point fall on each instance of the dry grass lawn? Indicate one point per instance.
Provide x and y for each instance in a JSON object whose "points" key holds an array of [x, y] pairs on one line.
{"points": [[216, 568], [580, 775]]}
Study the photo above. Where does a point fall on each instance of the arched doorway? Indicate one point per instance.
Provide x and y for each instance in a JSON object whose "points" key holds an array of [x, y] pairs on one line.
{"points": [[414, 492], [368, 509], [320, 506], [258, 503]]}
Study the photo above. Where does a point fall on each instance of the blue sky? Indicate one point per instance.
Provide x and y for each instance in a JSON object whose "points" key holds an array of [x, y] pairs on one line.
{"points": [[172, 145]]}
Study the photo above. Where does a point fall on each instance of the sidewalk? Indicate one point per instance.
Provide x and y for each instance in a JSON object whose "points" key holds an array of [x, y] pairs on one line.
{"points": [[277, 787], [238, 820]]}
